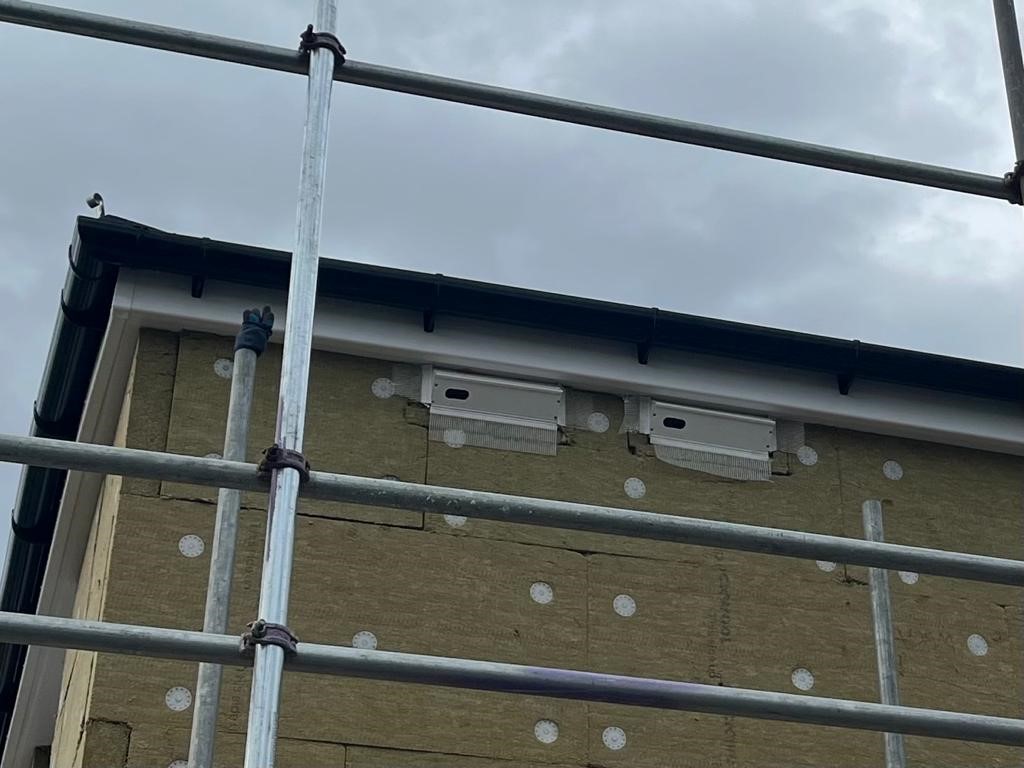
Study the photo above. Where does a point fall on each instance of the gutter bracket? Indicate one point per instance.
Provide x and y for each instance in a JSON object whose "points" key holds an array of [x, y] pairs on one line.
{"points": [[83, 318], [65, 428], [845, 378], [643, 348], [199, 281], [643, 352], [77, 273], [430, 312], [31, 534]]}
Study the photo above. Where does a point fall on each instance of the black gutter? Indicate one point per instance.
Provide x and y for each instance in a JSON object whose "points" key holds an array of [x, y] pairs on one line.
{"points": [[125, 243], [78, 333], [101, 246]]}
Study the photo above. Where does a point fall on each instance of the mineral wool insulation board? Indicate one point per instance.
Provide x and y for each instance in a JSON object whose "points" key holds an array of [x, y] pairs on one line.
{"points": [[541, 596], [117, 745], [348, 429]]}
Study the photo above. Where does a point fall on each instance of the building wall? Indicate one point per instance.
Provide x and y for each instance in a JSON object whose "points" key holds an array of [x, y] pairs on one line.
{"points": [[427, 584]]}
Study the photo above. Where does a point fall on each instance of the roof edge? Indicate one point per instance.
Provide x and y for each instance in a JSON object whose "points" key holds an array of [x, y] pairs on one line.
{"points": [[121, 242]]}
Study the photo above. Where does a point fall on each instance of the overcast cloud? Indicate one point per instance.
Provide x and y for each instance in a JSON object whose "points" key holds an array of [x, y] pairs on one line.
{"points": [[207, 148]]}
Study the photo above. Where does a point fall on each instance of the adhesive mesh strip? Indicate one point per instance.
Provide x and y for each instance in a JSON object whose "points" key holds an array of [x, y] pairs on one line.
{"points": [[733, 467], [789, 436], [631, 405], [457, 431], [585, 411], [406, 379], [578, 407]]}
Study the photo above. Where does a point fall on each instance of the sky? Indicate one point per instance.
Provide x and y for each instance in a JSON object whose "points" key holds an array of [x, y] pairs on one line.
{"points": [[212, 149]]}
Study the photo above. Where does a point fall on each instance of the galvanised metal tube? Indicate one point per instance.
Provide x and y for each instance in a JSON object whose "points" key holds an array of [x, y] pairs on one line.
{"points": [[261, 732], [505, 99], [1013, 68], [514, 678], [43, 452], [222, 560], [661, 527], [118, 30], [129, 462], [885, 645]]}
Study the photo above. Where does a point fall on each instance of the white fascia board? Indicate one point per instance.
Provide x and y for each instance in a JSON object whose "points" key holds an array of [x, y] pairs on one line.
{"points": [[164, 301]]}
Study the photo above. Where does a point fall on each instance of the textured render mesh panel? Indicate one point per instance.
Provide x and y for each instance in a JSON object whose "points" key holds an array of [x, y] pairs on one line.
{"points": [[733, 467], [406, 379], [582, 411], [457, 431], [631, 405], [789, 436], [578, 407]]}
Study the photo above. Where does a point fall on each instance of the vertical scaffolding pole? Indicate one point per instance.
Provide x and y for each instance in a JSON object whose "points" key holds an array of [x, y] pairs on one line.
{"points": [[249, 345], [261, 734], [1013, 69], [885, 650], [1013, 76]]}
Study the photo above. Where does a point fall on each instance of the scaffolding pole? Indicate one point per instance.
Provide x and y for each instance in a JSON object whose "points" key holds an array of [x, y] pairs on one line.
{"points": [[367, 491], [506, 100], [249, 344], [1013, 69], [885, 644], [1013, 77], [270, 633], [519, 679]]}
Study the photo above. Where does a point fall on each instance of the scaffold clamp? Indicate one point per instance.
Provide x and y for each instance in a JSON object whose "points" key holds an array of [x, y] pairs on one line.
{"points": [[310, 40], [1013, 181], [267, 633], [276, 457]]}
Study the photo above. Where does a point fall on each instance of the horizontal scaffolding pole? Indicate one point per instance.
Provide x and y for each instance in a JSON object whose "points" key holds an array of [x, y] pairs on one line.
{"points": [[59, 454], [504, 99], [515, 678]]}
